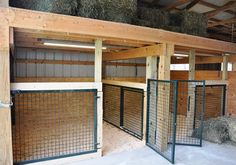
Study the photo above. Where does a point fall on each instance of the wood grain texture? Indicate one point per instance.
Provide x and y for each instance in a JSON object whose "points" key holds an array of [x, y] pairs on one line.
{"points": [[68, 24], [5, 118]]}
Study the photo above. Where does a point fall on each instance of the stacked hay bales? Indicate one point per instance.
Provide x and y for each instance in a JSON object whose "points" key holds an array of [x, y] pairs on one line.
{"points": [[67, 7], [189, 23], [218, 130], [125, 11], [154, 18], [110, 10]]}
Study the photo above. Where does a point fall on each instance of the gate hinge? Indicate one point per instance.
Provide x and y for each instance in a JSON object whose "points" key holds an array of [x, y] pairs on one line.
{"points": [[98, 97]]}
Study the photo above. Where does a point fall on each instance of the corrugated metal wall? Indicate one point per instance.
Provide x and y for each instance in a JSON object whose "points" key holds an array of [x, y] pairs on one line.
{"points": [[52, 70], [65, 70], [127, 71]]}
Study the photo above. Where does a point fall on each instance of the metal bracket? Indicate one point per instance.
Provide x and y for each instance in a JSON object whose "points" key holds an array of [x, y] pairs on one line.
{"points": [[5, 104]]}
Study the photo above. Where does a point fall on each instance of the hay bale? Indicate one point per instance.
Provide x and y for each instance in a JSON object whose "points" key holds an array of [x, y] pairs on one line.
{"points": [[190, 22], [215, 130], [232, 129], [67, 7], [110, 10], [156, 18]]}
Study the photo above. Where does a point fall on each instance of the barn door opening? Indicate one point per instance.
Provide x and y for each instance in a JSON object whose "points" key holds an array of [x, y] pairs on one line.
{"points": [[171, 111]]}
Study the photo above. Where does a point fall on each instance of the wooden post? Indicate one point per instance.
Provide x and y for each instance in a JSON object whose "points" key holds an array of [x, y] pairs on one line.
{"points": [[151, 73], [191, 93], [98, 79], [5, 113], [151, 67], [192, 58], [233, 66], [4, 3], [164, 97], [225, 68]]}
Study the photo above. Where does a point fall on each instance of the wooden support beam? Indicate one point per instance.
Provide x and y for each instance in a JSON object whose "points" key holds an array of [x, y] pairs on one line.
{"points": [[5, 112], [234, 66], [98, 60], [229, 5], [4, 3], [175, 4], [164, 96], [151, 67], [192, 4], [155, 50], [225, 68], [35, 20], [231, 20], [98, 79], [192, 55], [191, 93]]}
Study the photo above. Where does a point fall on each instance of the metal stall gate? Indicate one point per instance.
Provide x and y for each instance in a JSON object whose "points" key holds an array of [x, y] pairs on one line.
{"points": [[215, 99], [53, 124], [171, 108], [123, 108]]}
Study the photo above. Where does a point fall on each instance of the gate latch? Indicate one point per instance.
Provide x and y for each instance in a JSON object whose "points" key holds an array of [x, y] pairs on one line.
{"points": [[5, 105]]}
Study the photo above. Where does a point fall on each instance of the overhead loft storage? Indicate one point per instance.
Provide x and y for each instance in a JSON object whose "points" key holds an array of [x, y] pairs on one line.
{"points": [[63, 75]]}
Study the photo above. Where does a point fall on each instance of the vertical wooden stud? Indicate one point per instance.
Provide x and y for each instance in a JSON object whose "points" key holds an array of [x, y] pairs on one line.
{"points": [[98, 79], [5, 113], [164, 90], [4, 3], [225, 68], [191, 92]]}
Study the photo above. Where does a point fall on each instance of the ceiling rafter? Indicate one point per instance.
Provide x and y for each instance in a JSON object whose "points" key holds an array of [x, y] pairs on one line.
{"points": [[175, 4], [192, 4], [223, 22], [227, 6]]}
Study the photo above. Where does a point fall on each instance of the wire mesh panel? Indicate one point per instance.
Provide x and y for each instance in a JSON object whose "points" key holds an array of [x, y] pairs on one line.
{"points": [[112, 104], [133, 111], [123, 107], [214, 101], [190, 107], [161, 117], [175, 111], [53, 124]]}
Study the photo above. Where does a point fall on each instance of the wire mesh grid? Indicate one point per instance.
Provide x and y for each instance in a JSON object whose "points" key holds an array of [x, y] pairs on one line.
{"points": [[160, 121], [214, 101], [123, 107], [190, 111], [53, 124]]}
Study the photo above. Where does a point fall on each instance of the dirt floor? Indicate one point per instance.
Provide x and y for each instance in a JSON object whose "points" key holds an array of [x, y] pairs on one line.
{"points": [[116, 140], [209, 154]]}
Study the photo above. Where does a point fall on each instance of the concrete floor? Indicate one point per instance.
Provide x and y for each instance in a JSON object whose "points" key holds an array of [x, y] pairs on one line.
{"points": [[209, 154]]}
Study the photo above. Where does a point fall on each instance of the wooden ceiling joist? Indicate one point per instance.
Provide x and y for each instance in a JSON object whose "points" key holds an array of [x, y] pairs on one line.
{"points": [[229, 5], [192, 4], [155, 50], [214, 6], [228, 21], [175, 4]]}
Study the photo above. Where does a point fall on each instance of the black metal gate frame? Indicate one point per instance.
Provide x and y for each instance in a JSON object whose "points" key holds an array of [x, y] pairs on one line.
{"points": [[174, 124], [121, 126], [61, 91], [172, 159]]}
